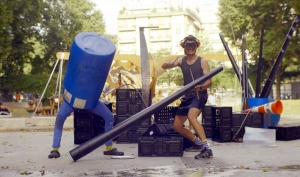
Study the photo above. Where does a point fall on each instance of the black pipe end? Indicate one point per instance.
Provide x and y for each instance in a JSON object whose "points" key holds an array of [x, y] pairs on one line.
{"points": [[75, 154]]}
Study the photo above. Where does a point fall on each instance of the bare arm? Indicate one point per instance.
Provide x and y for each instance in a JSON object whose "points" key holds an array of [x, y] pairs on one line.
{"points": [[172, 64], [206, 69]]}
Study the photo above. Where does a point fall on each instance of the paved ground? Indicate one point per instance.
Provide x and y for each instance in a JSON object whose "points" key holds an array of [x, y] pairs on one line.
{"points": [[26, 153]]}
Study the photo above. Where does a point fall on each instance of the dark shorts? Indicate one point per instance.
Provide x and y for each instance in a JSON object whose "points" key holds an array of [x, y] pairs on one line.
{"points": [[188, 102]]}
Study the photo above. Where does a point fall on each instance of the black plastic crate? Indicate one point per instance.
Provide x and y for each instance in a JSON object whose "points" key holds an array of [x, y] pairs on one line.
{"points": [[241, 133], [126, 108], [120, 119], [131, 95], [221, 111], [122, 108], [257, 119], [158, 129], [169, 126], [206, 111], [81, 113], [130, 136], [186, 142], [167, 114], [207, 122], [221, 134], [238, 118], [82, 135], [297, 132], [221, 122], [285, 132], [160, 147], [83, 122], [208, 131], [92, 122], [98, 122], [146, 123]]}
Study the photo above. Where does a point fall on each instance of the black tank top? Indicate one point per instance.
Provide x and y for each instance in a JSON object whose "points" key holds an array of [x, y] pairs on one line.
{"points": [[197, 72]]}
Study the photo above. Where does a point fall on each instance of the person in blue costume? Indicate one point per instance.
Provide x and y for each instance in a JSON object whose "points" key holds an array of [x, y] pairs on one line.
{"points": [[65, 110], [89, 62], [192, 102]]}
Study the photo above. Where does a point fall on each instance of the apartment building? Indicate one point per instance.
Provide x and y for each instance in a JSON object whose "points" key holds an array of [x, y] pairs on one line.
{"points": [[170, 22], [210, 22]]}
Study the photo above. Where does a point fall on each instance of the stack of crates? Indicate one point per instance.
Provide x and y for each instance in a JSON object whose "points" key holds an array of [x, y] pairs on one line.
{"points": [[130, 102], [88, 125], [207, 121], [221, 123], [254, 120], [160, 139], [160, 146]]}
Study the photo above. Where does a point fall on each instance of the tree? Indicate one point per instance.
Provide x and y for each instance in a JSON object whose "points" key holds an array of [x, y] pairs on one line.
{"points": [[249, 18], [205, 47], [20, 22], [168, 77], [33, 31]]}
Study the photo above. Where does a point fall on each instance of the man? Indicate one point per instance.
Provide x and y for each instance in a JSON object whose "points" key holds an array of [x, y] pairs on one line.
{"points": [[65, 110], [4, 108], [192, 67]]}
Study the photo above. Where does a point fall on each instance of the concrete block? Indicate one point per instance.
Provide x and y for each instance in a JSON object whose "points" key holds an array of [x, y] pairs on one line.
{"points": [[12, 122]]}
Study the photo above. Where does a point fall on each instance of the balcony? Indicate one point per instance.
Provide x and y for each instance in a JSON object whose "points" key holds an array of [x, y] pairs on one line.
{"points": [[160, 38], [126, 52], [125, 41], [161, 25], [126, 28]]}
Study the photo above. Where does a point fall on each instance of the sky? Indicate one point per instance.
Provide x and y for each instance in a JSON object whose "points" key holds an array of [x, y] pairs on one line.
{"points": [[110, 10]]}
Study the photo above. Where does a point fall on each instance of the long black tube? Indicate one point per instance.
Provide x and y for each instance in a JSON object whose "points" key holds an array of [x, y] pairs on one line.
{"points": [[267, 88], [245, 70], [259, 65], [234, 65], [99, 140]]}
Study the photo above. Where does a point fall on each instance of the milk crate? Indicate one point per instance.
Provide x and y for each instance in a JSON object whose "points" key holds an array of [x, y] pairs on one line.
{"points": [[160, 146], [221, 134], [83, 135], [285, 132], [146, 123], [165, 115], [130, 136]]}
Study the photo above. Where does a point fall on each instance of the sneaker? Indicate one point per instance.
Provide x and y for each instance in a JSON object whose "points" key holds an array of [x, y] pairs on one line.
{"points": [[194, 148], [114, 151], [205, 153], [54, 154]]}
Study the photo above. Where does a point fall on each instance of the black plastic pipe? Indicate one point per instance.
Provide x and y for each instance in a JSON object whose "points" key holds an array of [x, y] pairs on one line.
{"points": [[270, 80], [99, 140], [259, 65], [234, 65]]}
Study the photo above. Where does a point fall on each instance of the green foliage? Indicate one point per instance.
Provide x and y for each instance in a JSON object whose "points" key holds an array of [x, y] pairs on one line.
{"points": [[33, 31], [225, 79], [296, 6], [204, 46], [250, 17], [160, 54], [173, 75]]}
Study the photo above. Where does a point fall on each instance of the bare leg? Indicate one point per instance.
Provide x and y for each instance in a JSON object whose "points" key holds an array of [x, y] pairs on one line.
{"points": [[192, 117], [177, 126]]}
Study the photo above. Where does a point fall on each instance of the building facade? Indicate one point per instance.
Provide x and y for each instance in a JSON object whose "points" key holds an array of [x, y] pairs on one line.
{"points": [[170, 22]]}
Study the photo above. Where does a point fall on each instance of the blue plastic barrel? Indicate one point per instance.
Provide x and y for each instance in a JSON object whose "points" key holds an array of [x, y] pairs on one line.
{"points": [[274, 118], [90, 59]]}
